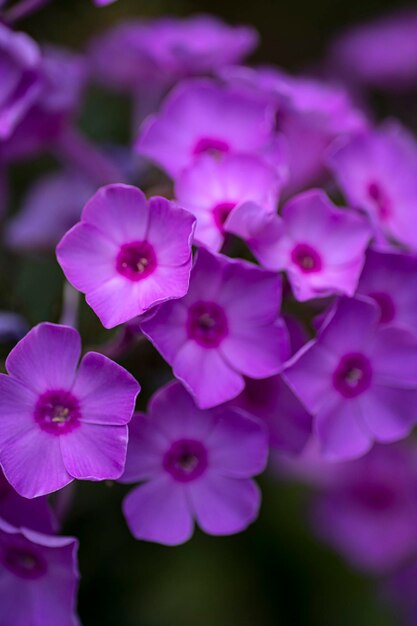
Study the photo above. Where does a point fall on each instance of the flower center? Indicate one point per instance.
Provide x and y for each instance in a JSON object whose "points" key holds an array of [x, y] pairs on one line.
{"points": [[221, 212], [306, 258], [57, 412], [186, 460], [374, 495], [386, 306], [212, 146], [207, 324], [353, 375], [136, 260], [377, 194], [23, 562]]}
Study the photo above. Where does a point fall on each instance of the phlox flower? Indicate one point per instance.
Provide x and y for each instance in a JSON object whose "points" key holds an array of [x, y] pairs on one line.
{"points": [[358, 379], [195, 466], [128, 254], [225, 328], [35, 514], [57, 423]]}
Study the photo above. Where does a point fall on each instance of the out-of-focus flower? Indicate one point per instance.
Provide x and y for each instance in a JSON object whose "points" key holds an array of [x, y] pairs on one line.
{"points": [[20, 78], [128, 254], [390, 279], [369, 512], [38, 578], [195, 465], [52, 206], [199, 117], [271, 400], [12, 326], [57, 424], [358, 379], [310, 115], [377, 172], [321, 247], [138, 55], [21, 512], [210, 189], [381, 53], [225, 328]]}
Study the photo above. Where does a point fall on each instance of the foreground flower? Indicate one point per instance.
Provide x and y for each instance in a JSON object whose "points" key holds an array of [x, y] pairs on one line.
{"points": [[358, 379], [57, 424], [128, 254], [195, 465], [210, 189], [201, 116], [369, 512], [38, 578], [320, 246], [225, 328], [377, 172]]}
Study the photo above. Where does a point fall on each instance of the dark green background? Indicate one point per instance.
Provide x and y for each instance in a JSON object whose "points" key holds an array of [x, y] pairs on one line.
{"points": [[274, 574]]}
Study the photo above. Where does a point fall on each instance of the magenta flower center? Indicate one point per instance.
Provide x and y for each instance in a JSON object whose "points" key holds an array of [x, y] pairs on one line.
{"points": [[375, 496], [211, 145], [353, 375], [136, 260], [306, 258], [23, 562], [386, 306], [207, 324], [378, 196], [221, 212], [57, 412], [186, 460]]}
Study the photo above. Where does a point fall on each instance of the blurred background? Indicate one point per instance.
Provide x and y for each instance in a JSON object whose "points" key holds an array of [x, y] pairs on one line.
{"points": [[276, 573]]}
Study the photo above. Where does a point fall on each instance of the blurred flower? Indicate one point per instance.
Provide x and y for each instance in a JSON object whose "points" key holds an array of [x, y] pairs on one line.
{"points": [[21, 512], [128, 254], [195, 465], [358, 379], [226, 327], [57, 424]]}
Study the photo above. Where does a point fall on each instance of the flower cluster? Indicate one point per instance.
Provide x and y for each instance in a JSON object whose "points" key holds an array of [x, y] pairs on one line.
{"points": [[275, 272]]}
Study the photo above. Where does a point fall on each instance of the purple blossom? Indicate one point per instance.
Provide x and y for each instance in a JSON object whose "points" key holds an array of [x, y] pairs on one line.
{"points": [[210, 189], [225, 328], [128, 254], [320, 246], [194, 465], [390, 279], [358, 379], [38, 578], [381, 53], [51, 206], [21, 512], [369, 513], [377, 172], [20, 61], [200, 116], [57, 424]]}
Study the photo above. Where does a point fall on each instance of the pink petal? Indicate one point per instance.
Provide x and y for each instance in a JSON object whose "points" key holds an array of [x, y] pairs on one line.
{"points": [[343, 432], [170, 232], [146, 449], [389, 413]]}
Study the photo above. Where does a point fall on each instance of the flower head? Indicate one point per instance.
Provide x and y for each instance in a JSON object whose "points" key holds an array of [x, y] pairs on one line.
{"points": [[226, 327], [128, 254], [194, 465], [57, 423]]}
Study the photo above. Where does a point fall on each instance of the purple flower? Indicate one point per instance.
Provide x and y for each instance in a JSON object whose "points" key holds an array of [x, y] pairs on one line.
{"points": [[225, 328], [358, 379], [321, 247], [194, 465], [21, 512], [135, 55], [390, 279], [369, 513], [210, 189], [20, 78], [272, 401], [128, 254], [200, 116], [38, 578], [381, 53], [52, 205], [57, 424], [377, 172]]}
